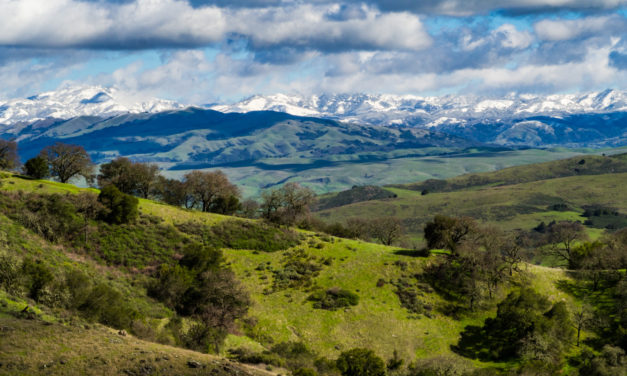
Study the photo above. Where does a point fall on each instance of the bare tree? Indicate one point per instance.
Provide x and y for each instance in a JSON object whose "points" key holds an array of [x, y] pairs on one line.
{"points": [[285, 205], [205, 187], [9, 158], [581, 319], [67, 161], [386, 229], [563, 236]]}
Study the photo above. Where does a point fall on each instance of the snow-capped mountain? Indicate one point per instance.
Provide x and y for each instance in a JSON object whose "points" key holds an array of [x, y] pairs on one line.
{"points": [[74, 101], [432, 111]]}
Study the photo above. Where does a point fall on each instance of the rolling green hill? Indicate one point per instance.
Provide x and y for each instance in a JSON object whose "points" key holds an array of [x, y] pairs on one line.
{"points": [[513, 198], [395, 310]]}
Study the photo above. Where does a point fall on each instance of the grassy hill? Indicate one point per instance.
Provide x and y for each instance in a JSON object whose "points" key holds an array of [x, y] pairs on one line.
{"points": [[513, 198], [574, 166], [282, 284]]}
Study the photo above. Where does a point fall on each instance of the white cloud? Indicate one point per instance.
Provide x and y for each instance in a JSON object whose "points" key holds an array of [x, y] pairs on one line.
{"points": [[560, 30], [513, 38], [145, 24]]}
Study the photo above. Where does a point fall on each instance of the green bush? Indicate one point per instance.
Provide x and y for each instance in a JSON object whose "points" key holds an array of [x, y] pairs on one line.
{"points": [[298, 270], [333, 299], [38, 276], [239, 234], [120, 207], [360, 362], [107, 306], [37, 167], [10, 274]]}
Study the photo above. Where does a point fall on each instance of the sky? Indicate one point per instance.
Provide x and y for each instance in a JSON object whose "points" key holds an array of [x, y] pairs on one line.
{"points": [[216, 51]]}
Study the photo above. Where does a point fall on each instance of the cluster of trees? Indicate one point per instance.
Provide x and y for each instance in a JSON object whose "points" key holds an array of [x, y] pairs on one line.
{"points": [[199, 287], [479, 258]]}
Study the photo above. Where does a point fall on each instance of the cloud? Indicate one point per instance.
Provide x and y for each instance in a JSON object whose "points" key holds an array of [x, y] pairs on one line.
{"points": [[560, 30], [473, 7], [138, 25], [312, 27], [146, 24]]}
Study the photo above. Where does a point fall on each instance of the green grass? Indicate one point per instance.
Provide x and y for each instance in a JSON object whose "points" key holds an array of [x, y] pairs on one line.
{"points": [[378, 321], [518, 206]]}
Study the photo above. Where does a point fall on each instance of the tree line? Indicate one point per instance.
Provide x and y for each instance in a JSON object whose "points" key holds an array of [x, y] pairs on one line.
{"points": [[207, 191]]}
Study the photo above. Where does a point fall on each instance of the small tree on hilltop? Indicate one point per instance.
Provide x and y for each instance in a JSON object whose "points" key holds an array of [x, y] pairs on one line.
{"points": [[67, 161], [206, 187], [37, 168], [287, 204], [448, 232]]}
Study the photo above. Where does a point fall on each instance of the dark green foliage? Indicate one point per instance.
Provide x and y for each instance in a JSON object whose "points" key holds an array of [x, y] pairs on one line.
{"points": [[107, 305], [526, 326], [9, 274], [610, 362], [79, 286], [305, 372], [37, 167], [133, 178], [353, 195], [225, 205], [200, 288], [265, 357], [333, 298], [604, 217], [37, 277], [296, 355], [298, 270], [360, 362], [120, 207], [409, 296], [240, 234], [52, 216], [447, 232], [138, 245], [395, 362]]}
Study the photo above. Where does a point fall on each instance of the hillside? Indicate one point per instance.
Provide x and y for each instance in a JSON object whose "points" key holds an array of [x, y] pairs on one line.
{"points": [[394, 309], [44, 346], [512, 198], [574, 166]]}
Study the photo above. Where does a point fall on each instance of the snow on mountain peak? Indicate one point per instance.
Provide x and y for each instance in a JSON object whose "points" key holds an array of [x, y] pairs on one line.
{"points": [[73, 101], [386, 109]]}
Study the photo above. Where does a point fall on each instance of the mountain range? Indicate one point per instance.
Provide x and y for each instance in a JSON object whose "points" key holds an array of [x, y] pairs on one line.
{"points": [[328, 142]]}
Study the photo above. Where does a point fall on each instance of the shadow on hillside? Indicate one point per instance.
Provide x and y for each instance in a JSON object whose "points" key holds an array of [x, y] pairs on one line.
{"points": [[472, 344], [413, 252]]}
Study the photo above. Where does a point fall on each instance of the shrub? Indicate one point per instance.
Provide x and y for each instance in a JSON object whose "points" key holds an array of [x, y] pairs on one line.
{"points": [[360, 362], [38, 276], [333, 298], [9, 274], [120, 207], [107, 306], [37, 168], [238, 234]]}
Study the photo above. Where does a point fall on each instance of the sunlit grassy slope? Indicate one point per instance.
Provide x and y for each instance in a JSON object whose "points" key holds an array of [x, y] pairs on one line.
{"points": [[378, 321], [514, 206]]}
